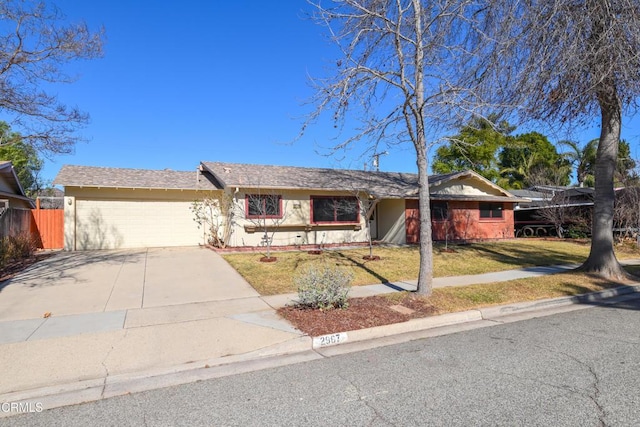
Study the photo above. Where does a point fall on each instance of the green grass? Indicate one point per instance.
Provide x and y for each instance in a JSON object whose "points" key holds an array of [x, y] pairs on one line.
{"points": [[401, 263]]}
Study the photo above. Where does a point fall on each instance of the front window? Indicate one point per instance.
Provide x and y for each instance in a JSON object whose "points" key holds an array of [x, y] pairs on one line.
{"points": [[264, 206], [490, 210], [334, 209]]}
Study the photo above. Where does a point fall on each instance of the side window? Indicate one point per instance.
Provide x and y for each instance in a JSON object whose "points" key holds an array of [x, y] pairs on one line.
{"points": [[490, 210]]}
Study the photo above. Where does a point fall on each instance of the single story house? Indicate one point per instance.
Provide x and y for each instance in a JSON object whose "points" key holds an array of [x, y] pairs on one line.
{"points": [[127, 208]]}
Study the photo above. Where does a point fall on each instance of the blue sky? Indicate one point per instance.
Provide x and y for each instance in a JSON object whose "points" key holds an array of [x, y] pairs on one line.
{"points": [[182, 82]]}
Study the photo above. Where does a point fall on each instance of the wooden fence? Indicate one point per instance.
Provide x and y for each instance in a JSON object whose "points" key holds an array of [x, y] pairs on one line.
{"points": [[49, 225], [46, 226], [15, 222]]}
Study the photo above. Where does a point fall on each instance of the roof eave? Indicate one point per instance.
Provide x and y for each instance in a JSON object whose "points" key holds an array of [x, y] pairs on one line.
{"points": [[126, 187], [479, 198], [19, 197], [216, 176]]}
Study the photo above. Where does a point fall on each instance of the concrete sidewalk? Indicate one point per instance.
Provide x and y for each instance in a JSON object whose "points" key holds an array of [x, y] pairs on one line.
{"points": [[443, 282], [68, 359]]}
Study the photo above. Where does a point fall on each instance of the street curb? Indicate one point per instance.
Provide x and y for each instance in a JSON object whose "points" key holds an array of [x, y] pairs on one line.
{"points": [[289, 352], [405, 327], [297, 350], [590, 298]]}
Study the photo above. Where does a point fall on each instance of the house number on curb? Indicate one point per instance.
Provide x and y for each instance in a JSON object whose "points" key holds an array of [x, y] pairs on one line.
{"points": [[331, 339]]}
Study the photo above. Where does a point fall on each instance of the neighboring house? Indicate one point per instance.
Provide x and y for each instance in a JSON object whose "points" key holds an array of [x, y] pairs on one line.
{"points": [[15, 206], [117, 208], [12, 194], [550, 207]]}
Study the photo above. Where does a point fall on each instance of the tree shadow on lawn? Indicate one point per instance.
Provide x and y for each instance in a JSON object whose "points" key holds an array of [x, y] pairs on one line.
{"points": [[340, 256], [518, 257]]}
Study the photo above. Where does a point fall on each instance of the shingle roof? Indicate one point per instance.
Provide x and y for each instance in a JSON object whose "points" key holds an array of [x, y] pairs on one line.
{"points": [[217, 175], [380, 184], [90, 176], [530, 194]]}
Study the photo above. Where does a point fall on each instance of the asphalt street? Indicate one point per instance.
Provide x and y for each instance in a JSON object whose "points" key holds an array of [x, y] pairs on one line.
{"points": [[579, 368]]}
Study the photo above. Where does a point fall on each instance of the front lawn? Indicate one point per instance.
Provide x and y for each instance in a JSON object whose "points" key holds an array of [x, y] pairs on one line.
{"points": [[401, 263], [383, 309]]}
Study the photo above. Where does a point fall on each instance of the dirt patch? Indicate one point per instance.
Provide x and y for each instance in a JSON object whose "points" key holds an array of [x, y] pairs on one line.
{"points": [[362, 313]]}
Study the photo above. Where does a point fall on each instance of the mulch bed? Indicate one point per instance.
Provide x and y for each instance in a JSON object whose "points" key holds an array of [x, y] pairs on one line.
{"points": [[361, 313]]}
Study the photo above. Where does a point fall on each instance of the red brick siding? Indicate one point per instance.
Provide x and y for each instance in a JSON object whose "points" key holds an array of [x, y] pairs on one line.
{"points": [[465, 223]]}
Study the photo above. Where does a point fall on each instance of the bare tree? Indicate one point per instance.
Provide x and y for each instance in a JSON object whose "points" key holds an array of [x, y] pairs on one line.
{"points": [[34, 46], [366, 207], [267, 212], [565, 62], [558, 211], [397, 74], [627, 212], [627, 209], [216, 214]]}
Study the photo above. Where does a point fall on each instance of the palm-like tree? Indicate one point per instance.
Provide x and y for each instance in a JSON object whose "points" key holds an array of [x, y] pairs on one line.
{"points": [[583, 159]]}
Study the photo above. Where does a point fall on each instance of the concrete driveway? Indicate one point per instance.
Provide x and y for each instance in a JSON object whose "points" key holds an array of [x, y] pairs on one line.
{"points": [[119, 316], [102, 281]]}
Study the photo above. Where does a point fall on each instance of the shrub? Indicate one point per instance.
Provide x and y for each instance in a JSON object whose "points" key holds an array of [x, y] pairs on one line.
{"points": [[17, 247], [322, 287], [577, 232]]}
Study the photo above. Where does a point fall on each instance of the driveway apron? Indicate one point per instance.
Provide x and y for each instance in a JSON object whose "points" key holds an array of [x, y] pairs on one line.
{"points": [[98, 281]]}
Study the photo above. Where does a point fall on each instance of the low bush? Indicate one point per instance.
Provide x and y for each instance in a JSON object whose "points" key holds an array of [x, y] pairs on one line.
{"points": [[14, 248], [322, 287], [577, 232]]}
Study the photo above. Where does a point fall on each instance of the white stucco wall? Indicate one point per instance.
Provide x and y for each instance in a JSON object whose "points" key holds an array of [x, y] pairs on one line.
{"points": [[295, 228]]}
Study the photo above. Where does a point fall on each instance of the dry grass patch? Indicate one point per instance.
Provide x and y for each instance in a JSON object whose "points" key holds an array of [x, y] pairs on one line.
{"points": [[447, 300], [401, 263]]}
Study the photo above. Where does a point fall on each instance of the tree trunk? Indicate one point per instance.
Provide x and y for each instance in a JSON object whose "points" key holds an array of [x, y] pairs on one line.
{"points": [[602, 259], [425, 275]]}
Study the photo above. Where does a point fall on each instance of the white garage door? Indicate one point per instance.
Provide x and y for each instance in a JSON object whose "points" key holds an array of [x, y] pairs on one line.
{"points": [[109, 224]]}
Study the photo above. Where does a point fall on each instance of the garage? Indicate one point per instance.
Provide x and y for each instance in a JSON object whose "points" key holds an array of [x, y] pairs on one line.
{"points": [[109, 208]]}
